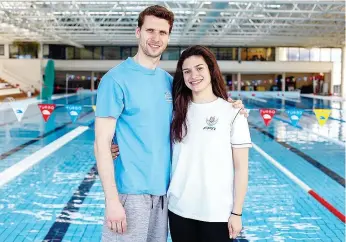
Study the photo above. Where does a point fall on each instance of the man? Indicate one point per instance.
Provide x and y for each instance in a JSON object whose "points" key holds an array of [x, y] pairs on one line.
{"points": [[134, 98]]}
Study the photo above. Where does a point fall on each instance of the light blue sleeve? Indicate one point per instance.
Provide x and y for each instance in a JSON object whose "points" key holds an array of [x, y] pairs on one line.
{"points": [[110, 98], [170, 79]]}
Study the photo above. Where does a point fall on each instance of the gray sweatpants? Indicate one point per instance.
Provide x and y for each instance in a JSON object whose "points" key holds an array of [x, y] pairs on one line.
{"points": [[146, 217]]}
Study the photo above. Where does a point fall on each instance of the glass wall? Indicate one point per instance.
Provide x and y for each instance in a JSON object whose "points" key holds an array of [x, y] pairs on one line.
{"points": [[313, 54], [125, 52], [227, 53], [316, 55], [293, 54], [76, 79], [111, 53], [304, 54], [171, 53], [2, 49], [24, 51], [258, 54], [57, 52], [63, 52]]}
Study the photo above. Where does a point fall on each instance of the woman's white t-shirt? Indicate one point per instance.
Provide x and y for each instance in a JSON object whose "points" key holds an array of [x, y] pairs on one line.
{"points": [[201, 185]]}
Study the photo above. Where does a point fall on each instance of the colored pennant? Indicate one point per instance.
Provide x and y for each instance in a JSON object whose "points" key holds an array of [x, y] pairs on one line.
{"points": [[19, 109], [267, 115], [322, 115], [294, 115], [74, 111], [248, 110], [46, 110], [94, 107]]}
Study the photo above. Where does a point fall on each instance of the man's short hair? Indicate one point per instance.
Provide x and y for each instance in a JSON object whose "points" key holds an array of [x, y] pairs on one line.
{"points": [[159, 12]]}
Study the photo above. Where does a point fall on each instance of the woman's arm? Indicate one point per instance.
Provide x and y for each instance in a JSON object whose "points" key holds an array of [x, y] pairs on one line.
{"points": [[241, 161]]}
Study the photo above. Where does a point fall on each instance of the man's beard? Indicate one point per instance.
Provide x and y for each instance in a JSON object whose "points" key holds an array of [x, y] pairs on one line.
{"points": [[147, 53]]}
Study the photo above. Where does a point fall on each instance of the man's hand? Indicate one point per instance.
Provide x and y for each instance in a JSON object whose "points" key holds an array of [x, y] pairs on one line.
{"points": [[115, 216], [239, 104], [115, 151]]}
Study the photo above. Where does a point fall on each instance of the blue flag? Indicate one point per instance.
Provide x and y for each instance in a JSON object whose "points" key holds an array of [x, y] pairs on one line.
{"points": [[74, 111], [294, 115]]}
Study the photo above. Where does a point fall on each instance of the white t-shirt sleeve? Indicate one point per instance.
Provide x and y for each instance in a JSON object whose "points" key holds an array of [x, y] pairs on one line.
{"points": [[240, 133]]}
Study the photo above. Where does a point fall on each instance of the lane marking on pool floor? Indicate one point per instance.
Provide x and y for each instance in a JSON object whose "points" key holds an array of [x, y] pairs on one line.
{"points": [[12, 172], [300, 183], [307, 130], [327, 171]]}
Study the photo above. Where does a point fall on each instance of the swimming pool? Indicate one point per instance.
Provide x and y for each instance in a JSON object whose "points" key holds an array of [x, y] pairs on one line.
{"points": [[52, 191]]}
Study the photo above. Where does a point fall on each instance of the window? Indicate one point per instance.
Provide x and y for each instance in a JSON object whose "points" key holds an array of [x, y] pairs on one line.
{"points": [[25, 50], [55, 52], [293, 54], [315, 54], [84, 54], [270, 54], [13, 51], [227, 54], [2, 49], [171, 53], [258, 54], [134, 50], [125, 52], [325, 54], [69, 53], [283, 54], [214, 51], [97, 53], [336, 55], [46, 51], [111, 53], [304, 54]]}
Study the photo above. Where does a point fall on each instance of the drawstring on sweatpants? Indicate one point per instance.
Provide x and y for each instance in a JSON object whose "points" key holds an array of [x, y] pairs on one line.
{"points": [[160, 198]]}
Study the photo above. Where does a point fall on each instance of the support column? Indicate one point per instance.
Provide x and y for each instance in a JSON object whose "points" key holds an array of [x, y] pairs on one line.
{"points": [[92, 81], [233, 81], [283, 82], [239, 81], [328, 84], [343, 72], [7, 51], [40, 51], [40, 57]]}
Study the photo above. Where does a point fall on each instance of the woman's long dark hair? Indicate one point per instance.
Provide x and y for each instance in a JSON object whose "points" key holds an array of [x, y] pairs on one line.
{"points": [[182, 95]]}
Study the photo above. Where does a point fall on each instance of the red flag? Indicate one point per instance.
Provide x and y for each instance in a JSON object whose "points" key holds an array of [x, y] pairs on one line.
{"points": [[46, 110], [267, 115]]}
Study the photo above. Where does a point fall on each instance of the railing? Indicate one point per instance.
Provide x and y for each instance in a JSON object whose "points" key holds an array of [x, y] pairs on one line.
{"points": [[9, 91], [15, 80]]}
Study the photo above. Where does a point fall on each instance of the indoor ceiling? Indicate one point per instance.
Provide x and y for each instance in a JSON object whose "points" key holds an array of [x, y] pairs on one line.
{"points": [[303, 23]]}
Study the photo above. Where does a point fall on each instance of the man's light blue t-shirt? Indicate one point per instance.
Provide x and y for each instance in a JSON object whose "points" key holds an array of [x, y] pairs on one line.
{"points": [[141, 101]]}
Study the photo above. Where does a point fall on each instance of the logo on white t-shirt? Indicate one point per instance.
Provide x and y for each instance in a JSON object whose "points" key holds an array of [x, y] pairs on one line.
{"points": [[211, 122]]}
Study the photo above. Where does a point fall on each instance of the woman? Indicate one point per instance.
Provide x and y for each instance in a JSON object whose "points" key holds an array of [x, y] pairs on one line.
{"points": [[210, 153]]}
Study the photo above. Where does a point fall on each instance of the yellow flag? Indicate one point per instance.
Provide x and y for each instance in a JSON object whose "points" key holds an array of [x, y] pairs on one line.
{"points": [[322, 115], [94, 108]]}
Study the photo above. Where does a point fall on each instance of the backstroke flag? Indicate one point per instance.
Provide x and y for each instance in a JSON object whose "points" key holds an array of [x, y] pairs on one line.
{"points": [[19, 109], [46, 110], [74, 111], [294, 115], [322, 115], [267, 115]]}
